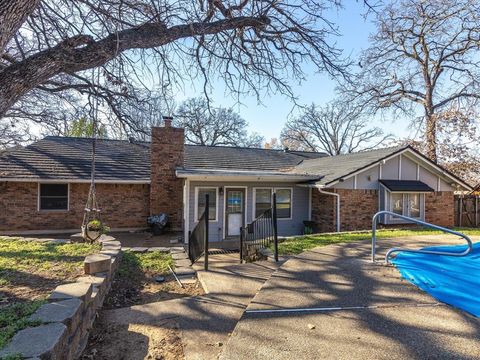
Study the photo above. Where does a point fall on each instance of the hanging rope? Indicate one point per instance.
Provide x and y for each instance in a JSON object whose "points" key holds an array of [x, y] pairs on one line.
{"points": [[92, 226]]}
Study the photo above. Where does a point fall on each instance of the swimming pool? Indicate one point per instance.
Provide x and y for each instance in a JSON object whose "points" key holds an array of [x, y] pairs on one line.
{"points": [[449, 279]]}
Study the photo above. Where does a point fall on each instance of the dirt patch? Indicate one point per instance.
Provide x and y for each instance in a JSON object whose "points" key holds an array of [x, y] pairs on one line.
{"points": [[134, 341], [142, 288]]}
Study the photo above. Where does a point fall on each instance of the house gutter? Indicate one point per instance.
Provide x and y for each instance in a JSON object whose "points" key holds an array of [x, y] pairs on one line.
{"points": [[320, 189], [337, 221]]}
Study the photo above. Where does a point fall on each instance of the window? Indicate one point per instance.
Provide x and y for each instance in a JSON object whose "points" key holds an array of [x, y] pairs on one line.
{"points": [[53, 197], [284, 203], [212, 202], [408, 204], [263, 202], [414, 205], [397, 203]]}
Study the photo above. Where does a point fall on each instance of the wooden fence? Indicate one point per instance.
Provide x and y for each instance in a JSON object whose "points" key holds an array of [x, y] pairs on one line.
{"points": [[467, 212]]}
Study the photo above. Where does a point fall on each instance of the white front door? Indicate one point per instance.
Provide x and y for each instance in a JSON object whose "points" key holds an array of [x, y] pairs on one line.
{"points": [[234, 211]]}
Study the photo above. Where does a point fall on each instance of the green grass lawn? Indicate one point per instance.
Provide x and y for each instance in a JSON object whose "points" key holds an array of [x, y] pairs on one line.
{"points": [[29, 271], [299, 244], [32, 257], [150, 262]]}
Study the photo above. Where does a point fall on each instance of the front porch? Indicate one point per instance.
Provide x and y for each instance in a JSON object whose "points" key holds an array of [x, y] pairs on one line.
{"points": [[235, 204]]}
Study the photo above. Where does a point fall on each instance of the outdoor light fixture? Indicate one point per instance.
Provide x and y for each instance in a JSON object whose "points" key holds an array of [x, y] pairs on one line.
{"points": [[221, 190]]}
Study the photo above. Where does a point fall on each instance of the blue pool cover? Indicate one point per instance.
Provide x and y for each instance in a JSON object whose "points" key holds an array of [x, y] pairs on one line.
{"points": [[449, 279]]}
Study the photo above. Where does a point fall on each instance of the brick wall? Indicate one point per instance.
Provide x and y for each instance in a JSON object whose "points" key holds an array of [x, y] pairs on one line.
{"points": [[167, 153], [123, 206], [440, 208], [323, 211], [356, 209], [358, 206]]}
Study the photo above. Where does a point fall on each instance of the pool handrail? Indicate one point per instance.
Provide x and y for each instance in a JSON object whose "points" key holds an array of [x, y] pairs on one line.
{"points": [[419, 222]]}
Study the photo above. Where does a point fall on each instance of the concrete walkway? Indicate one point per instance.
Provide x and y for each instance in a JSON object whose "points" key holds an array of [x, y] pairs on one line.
{"points": [[380, 315], [204, 322]]}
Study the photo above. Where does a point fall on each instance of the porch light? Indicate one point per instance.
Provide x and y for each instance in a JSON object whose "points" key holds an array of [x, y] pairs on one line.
{"points": [[220, 191]]}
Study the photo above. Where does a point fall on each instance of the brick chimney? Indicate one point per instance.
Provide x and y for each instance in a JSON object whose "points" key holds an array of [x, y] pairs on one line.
{"points": [[166, 155]]}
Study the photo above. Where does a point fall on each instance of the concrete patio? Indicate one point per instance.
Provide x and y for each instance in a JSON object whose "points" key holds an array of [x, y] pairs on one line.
{"points": [[336, 304]]}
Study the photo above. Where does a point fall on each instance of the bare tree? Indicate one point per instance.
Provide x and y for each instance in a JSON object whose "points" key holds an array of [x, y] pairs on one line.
{"points": [[423, 57], [335, 129], [205, 125], [48, 47]]}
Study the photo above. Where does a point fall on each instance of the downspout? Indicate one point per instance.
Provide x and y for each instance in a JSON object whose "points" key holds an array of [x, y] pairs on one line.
{"points": [[338, 205]]}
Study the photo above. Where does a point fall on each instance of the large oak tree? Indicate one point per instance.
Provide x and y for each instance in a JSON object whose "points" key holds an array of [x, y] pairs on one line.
{"points": [[337, 128], [48, 48], [423, 57]]}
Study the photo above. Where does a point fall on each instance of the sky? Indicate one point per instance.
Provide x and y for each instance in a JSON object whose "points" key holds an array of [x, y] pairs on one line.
{"points": [[269, 117]]}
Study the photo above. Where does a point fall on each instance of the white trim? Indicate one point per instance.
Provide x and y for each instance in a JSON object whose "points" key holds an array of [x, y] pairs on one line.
{"points": [[186, 210], [272, 190], [439, 183], [410, 152], [400, 167], [53, 210], [245, 206], [73, 181], [309, 204], [196, 202], [380, 168], [418, 171], [355, 182]]}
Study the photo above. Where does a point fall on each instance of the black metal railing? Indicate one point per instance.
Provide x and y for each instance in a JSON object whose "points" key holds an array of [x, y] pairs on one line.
{"points": [[260, 234], [198, 237]]}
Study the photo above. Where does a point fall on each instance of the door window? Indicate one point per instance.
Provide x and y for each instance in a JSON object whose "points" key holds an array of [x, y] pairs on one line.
{"points": [[234, 201], [414, 205], [397, 203]]}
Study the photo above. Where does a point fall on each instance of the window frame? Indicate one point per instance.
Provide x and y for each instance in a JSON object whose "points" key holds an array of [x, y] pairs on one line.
{"points": [[39, 197], [197, 190], [272, 190], [406, 207]]}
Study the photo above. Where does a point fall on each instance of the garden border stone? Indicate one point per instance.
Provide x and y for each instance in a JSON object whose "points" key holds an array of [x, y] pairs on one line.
{"points": [[71, 311]]}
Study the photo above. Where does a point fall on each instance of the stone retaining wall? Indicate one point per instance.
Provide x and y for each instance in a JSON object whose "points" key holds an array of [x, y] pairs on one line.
{"points": [[71, 310]]}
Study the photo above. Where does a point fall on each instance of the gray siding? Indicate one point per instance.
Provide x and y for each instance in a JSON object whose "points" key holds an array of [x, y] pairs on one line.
{"points": [[286, 227], [368, 179]]}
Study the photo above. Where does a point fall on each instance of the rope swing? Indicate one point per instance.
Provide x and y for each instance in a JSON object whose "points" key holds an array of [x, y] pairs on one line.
{"points": [[92, 226]]}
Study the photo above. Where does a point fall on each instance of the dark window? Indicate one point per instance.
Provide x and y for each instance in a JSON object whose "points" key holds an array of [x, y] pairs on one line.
{"points": [[284, 203], [263, 201], [53, 196], [212, 202]]}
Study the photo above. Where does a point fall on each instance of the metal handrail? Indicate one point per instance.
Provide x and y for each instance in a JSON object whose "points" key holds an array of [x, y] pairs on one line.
{"points": [[423, 223]]}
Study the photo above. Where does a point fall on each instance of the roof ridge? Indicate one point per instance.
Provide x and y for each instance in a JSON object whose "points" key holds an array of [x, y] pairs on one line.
{"points": [[255, 148], [370, 150]]}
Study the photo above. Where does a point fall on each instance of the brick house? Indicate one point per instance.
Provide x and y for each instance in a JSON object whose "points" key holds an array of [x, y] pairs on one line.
{"points": [[43, 186]]}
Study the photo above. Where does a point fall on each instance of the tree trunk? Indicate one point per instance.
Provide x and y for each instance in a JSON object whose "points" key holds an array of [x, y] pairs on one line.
{"points": [[12, 16], [81, 52], [431, 136]]}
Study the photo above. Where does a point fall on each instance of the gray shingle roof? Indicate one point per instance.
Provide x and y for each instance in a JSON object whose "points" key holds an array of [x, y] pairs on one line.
{"points": [[334, 167], [70, 158], [208, 157]]}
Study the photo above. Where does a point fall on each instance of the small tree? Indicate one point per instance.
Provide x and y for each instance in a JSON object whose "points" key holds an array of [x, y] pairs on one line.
{"points": [[334, 129], [84, 128], [422, 57], [212, 126]]}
